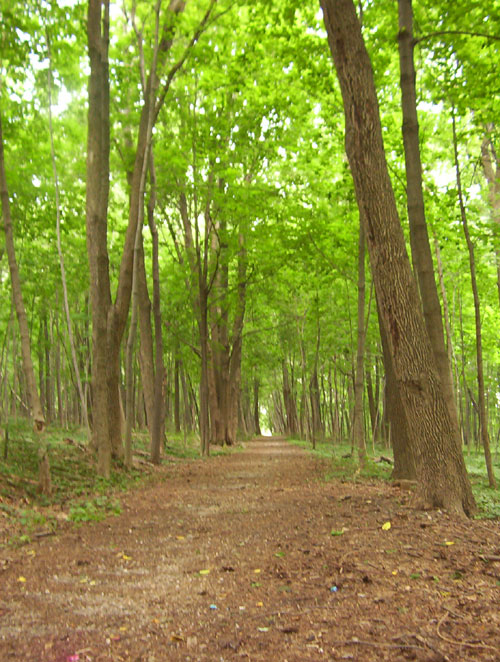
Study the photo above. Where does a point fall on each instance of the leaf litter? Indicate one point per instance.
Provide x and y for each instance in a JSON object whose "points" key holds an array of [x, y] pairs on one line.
{"points": [[174, 576]]}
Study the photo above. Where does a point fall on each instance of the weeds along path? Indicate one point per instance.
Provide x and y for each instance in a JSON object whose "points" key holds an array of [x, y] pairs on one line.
{"points": [[253, 556]]}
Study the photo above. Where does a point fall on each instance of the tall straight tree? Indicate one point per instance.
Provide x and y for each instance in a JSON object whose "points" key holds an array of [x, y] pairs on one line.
{"points": [[358, 423], [443, 480], [419, 237], [481, 395], [110, 318], [97, 222]]}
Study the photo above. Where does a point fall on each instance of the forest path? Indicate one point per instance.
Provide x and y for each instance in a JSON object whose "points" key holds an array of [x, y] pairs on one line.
{"points": [[252, 556]]}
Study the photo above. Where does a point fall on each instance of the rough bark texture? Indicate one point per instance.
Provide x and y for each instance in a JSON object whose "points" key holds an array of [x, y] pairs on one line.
{"points": [[404, 461], [419, 237], [443, 481], [96, 220]]}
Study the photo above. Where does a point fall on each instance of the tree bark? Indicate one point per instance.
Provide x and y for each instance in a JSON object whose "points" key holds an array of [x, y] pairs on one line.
{"points": [[443, 480], [256, 408], [96, 220], [419, 237], [491, 167], [358, 424], [158, 420], [483, 416]]}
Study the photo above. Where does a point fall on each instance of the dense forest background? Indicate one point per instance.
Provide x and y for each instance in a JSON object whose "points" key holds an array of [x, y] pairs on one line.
{"points": [[220, 287]]}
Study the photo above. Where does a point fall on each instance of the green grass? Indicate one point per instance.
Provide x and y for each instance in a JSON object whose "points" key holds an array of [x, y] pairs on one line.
{"points": [[77, 490], [343, 466]]}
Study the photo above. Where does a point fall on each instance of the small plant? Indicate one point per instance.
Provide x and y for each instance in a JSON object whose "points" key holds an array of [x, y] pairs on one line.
{"points": [[94, 510]]}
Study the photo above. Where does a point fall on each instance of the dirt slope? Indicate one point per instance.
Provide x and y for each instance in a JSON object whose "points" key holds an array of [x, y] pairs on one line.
{"points": [[234, 559]]}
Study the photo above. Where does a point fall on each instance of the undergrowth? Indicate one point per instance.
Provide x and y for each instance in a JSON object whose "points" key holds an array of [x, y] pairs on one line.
{"points": [[78, 493], [344, 465]]}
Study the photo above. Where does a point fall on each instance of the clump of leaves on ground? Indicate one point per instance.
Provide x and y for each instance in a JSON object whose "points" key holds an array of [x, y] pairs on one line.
{"points": [[343, 464]]}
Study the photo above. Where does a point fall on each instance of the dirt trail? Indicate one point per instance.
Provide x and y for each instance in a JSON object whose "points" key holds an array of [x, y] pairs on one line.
{"points": [[234, 559]]}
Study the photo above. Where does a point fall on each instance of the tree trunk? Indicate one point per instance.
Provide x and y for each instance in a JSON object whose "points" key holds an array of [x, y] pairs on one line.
{"points": [[419, 238], [35, 405], [491, 167], [158, 430], [443, 480], [404, 460], [291, 427], [146, 354], [96, 219], [358, 426], [256, 408], [483, 416]]}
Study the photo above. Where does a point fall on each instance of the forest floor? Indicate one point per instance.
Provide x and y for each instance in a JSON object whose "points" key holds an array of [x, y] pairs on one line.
{"points": [[254, 556]]}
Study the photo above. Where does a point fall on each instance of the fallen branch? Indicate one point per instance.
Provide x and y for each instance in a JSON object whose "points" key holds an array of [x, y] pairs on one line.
{"points": [[44, 534], [383, 458]]}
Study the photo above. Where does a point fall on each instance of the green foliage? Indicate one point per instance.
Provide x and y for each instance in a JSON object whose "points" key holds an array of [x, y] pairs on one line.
{"points": [[94, 510], [343, 465]]}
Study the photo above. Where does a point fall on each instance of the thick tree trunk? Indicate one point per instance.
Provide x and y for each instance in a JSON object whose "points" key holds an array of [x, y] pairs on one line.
{"points": [[443, 480], [419, 238], [404, 461], [96, 219]]}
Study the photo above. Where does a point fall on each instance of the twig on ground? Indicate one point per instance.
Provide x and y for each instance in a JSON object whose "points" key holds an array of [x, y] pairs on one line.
{"points": [[377, 644], [454, 642], [489, 557], [423, 641]]}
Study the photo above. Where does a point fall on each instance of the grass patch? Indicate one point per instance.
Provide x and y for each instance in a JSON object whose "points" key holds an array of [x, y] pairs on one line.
{"points": [[78, 493], [344, 466]]}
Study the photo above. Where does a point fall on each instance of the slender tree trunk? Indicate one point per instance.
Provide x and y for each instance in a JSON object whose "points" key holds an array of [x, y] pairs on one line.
{"points": [[69, 325], [36, 411], [130, 348], [291, 427], [491, 167], [483, 416], [35, 406], [358, 426], [158, 427], [256, 408], [146, 353], [443, 480], [446, 309], [419, 238]]}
